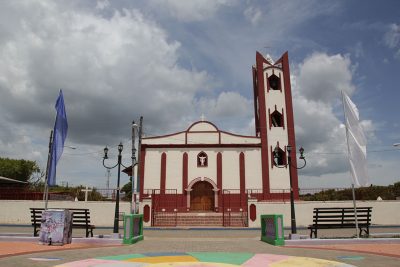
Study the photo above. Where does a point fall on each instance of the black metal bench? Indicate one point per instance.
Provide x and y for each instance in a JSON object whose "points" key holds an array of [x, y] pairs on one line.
{"points": [[334, 218], [80, 219]]}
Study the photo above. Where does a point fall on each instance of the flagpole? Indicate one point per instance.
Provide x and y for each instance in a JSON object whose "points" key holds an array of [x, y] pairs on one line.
{"points": [[46, 187], [348, 156]]}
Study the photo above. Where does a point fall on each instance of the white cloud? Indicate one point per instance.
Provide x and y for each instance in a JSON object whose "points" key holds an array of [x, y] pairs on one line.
{"points": [[194, 10], [358, 50], [115, 66], [321, 77], [230, 110], [228, 104], [253, 14], [392, 38], [317, 83], [102, 4], [284, 15], [111, 69]]}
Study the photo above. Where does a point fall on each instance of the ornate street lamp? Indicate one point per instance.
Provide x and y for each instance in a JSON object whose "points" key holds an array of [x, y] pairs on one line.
{"points": [[289, 163], [116, 215]]}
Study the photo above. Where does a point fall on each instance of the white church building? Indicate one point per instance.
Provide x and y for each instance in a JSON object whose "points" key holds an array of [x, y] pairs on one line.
{"points": [[204, 172]]}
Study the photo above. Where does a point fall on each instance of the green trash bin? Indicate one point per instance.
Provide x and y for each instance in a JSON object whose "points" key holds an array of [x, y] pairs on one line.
{"points": [[133, 228], [272, 229]]}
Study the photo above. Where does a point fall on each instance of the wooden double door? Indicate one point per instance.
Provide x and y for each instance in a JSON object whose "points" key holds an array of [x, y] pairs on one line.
{"points": [[202, 197]]}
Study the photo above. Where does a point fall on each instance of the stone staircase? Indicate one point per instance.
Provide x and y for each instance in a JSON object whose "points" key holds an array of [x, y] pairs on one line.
{"points": [[198, 219]]}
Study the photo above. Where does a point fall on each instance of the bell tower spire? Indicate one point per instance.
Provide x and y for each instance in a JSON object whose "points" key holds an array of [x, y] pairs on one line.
{"points": [[274, 123]]}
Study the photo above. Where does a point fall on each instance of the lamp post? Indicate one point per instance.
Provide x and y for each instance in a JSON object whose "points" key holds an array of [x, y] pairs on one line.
{"points": [[135, 193], [289, 164], [116, 215]]}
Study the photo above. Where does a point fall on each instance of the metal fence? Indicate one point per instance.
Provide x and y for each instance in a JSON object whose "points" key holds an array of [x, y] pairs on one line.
{"points": [[170, 198], [17, 193]]}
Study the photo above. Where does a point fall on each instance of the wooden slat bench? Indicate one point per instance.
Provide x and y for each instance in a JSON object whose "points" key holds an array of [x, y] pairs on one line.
{"points": [[334, 218], [80, 219]]}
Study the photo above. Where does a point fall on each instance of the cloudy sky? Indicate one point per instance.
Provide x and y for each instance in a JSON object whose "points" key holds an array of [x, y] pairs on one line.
{"points": [[172, 61]]}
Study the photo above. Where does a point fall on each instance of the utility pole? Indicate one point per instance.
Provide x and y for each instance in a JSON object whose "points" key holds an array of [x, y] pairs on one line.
{"points": [[133, 201], [135, 192], [108, 183], [138, 162]]}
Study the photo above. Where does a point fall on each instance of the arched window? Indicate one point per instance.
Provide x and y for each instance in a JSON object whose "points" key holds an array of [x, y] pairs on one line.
{"points": [[276, 119], [274, 82], [202, 159], [279, 157]]}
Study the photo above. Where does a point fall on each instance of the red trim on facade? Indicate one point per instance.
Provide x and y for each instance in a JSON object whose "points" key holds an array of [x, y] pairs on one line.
{"points": [[253, 212], [279, 196], [146, 213], [196, 132], [219, 179], [283, 119], [162, 136], [200, 145], [272, 158], [239, 135], [197, 122], [269, 119], [188, 130], [263, 124], [256, 106], [184, 172], [267, 80], [242, 173], [141, 171], [285, 162], [163, 175], [290, 121]]}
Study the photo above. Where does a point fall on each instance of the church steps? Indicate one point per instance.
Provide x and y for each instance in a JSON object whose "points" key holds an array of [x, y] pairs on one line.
{"points": [[198, 219]]}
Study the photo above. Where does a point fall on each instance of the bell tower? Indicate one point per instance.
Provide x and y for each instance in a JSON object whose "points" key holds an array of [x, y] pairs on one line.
{"points": [[274, 124]]}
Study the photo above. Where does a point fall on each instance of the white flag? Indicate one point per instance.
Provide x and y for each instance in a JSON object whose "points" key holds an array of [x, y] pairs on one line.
{"points": [[357, 143]]}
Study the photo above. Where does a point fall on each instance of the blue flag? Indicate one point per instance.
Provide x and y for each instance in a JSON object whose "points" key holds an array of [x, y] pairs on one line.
{"points": [[59, 136]]}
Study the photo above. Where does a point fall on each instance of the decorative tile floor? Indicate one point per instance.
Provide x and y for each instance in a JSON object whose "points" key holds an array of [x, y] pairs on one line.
{"points": [[205, 259]]}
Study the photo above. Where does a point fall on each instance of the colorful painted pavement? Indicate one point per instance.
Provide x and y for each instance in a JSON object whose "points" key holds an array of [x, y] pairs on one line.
{"points": [[205, 259]]}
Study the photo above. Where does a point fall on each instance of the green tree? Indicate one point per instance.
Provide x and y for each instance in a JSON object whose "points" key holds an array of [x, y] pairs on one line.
{"points": [[372, 192], [18, 169], [127, 189]]}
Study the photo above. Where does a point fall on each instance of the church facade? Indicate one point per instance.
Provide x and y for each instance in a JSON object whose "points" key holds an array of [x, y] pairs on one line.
{"points": [[205, 169]]}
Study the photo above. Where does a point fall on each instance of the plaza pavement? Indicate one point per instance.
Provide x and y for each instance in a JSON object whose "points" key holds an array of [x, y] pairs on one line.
{"points": [[17, 249]]}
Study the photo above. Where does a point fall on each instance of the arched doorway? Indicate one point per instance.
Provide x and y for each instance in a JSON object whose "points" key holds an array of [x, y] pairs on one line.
{"points": [[202, 197]]}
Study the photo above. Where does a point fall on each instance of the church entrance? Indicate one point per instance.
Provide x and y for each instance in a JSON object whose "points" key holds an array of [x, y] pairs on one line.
{"points": [[202, 197]]}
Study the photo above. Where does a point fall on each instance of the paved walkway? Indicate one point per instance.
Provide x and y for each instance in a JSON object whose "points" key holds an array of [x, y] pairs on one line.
{"points": [[159, 242]]}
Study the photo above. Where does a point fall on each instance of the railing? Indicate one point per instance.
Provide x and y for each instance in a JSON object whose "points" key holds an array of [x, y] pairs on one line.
{"points": [[234, 206], [15, 193], [275, 195], [172, 200], [312, 191]]}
